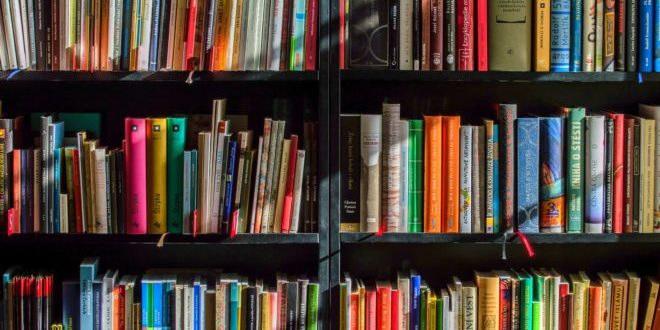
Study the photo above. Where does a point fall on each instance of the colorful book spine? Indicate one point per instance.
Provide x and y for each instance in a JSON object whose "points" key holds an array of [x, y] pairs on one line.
{"points": [[620, 35], [416, 176], [478, 180], [449, 23], [88, 270], [589, 35], [298, 36], [594, 174], [391, 171], [136, 175], [465, 34], [653, 113], [560, 35], [176, 140], [576, 36], [230, 187], [450, 170], [482, 35], [527, 161], [466, 193], [647, 162], [157, 175], [609, 27], [552, 216], [646, 40], [618, 173], [490, 184], [599, 36], [506, 115], [576, 167], [415, 299], [542, 35], [433, 184], [497, 212]]}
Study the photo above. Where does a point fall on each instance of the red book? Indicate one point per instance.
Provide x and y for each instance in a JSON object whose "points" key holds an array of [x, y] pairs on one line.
{"points": [[16, 224], [189, 54], [482, 35], [656, 318], [465, 34], [505, 303], [395, 309], [618, 193], [287, 209], [383, 306], [342, 23], [354, 314], [628, 170], [120, 306], [371, 307], [311, 34], [136, 175], [563, 305], [77, 199]]}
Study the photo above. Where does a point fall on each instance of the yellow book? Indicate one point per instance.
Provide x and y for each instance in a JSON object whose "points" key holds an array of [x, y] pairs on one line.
{"points": [[634, 283], [265, 310], [578, 288], [432, 313], [488, 301], [136, 16], [647, 159], [362, 317], [179, 29], [542, 36], [90, 146], [281, 185], [619, 301], [156, 175], [652, 287]]}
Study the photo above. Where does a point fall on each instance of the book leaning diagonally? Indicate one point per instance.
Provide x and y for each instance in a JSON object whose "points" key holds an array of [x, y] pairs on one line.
{"points": [[370, 127], [297, 192]]}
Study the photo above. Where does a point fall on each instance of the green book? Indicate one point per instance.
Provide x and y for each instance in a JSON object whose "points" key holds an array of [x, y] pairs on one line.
{"points": [[575, 173], [539, 298], [526, 295], [440, 305], [244, 205], [416, 176], [537, 315], [312, 306], [422, 306], [176, 141]]}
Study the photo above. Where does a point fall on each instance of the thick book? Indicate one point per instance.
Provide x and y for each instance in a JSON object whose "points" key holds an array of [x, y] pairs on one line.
{"points": [[481, 31], [100, 195], [157, 175], [575, 169], [449, 23], [488, 300], [465, 34], [425, 33], [646, 30], [527, 163], [311, 35], [136, 175], [552, 198], [560, 35], [542, 35], [589, 35], [370, 194], [416, 176], [404, 142], [391, 167], [281, 185], [628, 171], [618, 193], [176, 133], [647, 174], [652, 112], [88, 269], [648, 301], [368, 34], [506, 115], [489, 170], [432, 166], [450, 172], [297, 192], [594, 209], [230, 220], [287, 207], [465, 175], [509, 36]]}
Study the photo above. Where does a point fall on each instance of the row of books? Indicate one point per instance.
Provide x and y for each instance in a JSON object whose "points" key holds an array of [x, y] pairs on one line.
{"points": [[152, 184], [482, 35], [517, 300], [574, 172], [153, 35], [27, 300]]}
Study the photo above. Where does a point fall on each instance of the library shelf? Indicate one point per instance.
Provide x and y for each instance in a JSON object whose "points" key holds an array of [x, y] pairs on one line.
{"points": [[424, 238], [169, 239], [159, 76]]}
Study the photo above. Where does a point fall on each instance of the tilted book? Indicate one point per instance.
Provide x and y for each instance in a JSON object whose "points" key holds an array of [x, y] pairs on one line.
{"points": [[527, 163], [391, 175], [370, 131]]}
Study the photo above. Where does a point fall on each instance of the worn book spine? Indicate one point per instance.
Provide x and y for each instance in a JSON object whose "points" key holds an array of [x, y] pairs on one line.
{"points": [[629, 144], [552, 210], [589, 35], [465, 206], [404, 138], [542, 35], [432, 167], [620, 35], [488, 300], [609, 174], [393, 26], [350, 173], [425, 45], [576, 35], [653, 113], [594, 209], [560, 35], [490, 178], [391, 176], [449, 24], [370, 199], [451, 173], [465, 34], [527, 163], [506, 114], [575, 170], [600, 38], [609, 31], [478, 177], [416, 176], [406, 35], [100, 218], [646, 40]]}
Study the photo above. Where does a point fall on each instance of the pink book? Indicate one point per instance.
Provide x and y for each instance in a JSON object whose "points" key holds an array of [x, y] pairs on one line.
{"points": [[288, 191], [136, 175]]}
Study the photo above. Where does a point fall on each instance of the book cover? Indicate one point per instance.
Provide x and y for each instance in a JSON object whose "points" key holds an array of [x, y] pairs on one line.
{"points": [[368, 34], [589, 35], [527, 163], [370, 199], [465, 34], [465, 172], [600, 38], [506, 115], [416, 176], [450, 32], [609, 34], [391, 167], [405, 34], [560, 35], [478, 180], [552, 210], [176, 137], [157, 175], [632, 31], [404, 142], [432, 166], [594, 209], [542, 35], [575, 169], [136, 175], [509, 36], [450, 170], [646, 41], [488, 301]]}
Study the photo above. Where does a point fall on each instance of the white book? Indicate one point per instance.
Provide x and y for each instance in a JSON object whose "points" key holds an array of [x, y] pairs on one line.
{"points": [[26, 18], [600, 16], [262, 175], [653, 112], [406, 35], [451, 309], [297, 191], [444, 296], [594, 174], [19, 37], [111, 34], [391, 171], [232, 32], [145, 43], [254, 29], [404, 300], [465, 192], [101, 210], [4, 59], [275, 35], [117, 27], [647, 175], [370, 184], [8, 26], [255, 190], [265, 29], [588, 35], [403, 196]]}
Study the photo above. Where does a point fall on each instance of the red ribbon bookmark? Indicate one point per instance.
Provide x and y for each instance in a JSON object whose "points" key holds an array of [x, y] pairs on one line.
{"points": [[194, 223], [528, 246], [234, 223], [381, 228]]}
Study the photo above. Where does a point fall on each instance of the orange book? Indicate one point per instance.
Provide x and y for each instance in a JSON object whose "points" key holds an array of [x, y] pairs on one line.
{"points": [[103, 54], [450, 167], [383, 306], [220, 36], [15, 225], [355, 302], [595, 306], [432, 174]]}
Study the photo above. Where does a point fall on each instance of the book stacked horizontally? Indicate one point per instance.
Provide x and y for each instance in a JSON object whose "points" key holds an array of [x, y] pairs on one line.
{"points": [[574, 172], [483, 35], [154, 35], [535, 299]]}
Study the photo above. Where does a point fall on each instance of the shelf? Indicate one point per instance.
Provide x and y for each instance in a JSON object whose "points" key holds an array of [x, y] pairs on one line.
{"points": [[407, 238], [159, 76], [463, 76], [170, 239]]}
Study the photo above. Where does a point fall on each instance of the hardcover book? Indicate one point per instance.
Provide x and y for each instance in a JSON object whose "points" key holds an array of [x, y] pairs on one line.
{"points": [[416, 176], [560, 35], [350, 173], [368, 34], [466, 194], [646, 41], [575, 169], [506, 115], [576, 35], [594, 209], [136, 176], [527, 163], [510, 36], [157, 175], [653, 112], [552, 210], [542, 35], [404, 142], [465, 34], [391, 171], [176, 133], [450, 170], [370, 199], [433, 184]]}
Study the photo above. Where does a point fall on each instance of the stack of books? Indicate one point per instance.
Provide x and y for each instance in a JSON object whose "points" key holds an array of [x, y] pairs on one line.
{"points": [[535, 299], [27, 300], [70, 183], [153, 35], [574, 172], [482, 35]]}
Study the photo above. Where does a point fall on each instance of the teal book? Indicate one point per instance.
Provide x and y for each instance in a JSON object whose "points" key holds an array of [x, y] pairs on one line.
{"points": [[176, 140], [312, 306], [146, 303], [88, 268], [233, 306], [526, 294], [416, 176], [575, 170], [297, 53]]}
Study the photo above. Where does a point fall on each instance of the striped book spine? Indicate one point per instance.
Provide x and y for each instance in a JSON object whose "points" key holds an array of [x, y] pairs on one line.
{"points": [[560, 35], [416, 176], [506, 115], [527, 159], [391, 175], [594, 209], [576, 36], [575, 173], [465, 206], [552, 209], [490, 192]]}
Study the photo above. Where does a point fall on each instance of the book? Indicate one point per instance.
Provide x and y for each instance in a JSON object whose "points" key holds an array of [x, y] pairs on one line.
{"points": [[450, 195], [552, 196], [405, 34], [648, 301], [618, 172], [433, 185], [478, 180], [575, 169], [594, 181], [350, 133], [527, 163], [465, 172], [489, 168], [506, 115], [449, 22], [577, 9], [404, 141], [370, 195], [465, 35], [646, 41], [510, 36], [437, 34], [632, 31], [653, 112], [560, 35], [600, 38], [589, 35], [157, 175], [176, 133], [88, 270], [136, 176], [488, 301], [609, 35], [542, 35], [391, 167]]}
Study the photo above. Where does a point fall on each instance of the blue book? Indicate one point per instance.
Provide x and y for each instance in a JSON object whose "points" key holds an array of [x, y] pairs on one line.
{"points": [[415, 297], [155, 28], [496, 181], [197, 322], [70, 305], [560, 35], [231, 181], [552, 218], [146, 306], [97, 287], [646, 27], [233, 305], [56, 203], [656, 57], [88, 269], [576, 36], [527, 164], [55, 138], [297, 52], [157, 288], [126, 35]]}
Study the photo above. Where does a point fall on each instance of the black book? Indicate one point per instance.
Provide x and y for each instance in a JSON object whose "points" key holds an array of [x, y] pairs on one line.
{"points": [[303, 284], [307, 178], [29, 189], [315, 182], [368, 40], [112, 174], [40, 16], [24, 203], [417, 34], [119, 185], [350, 160], [108, 198], [97, 294], [164, 33], [609, 173], [292, 305], [252, 309], [126, 21], [620, 36], [394, 35], [450, 35], [631, 35]]}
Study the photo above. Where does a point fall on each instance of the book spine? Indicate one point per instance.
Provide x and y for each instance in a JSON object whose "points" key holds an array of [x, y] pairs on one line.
{"points": [[620, 36], [281, 185], [391, 171], [576, 167], [157, 175], [505, 304], [527, 163], [155, 33], [632, 30], [370, 130], [5, 173], [176, 138], [136, 176], [450, 35], [436, 34], [229, 219], [393, 30], [629, 140], [594, 181], [646, 40], [433, 184], [656, 38], [450, 169], [417, 34], [404, 186], [636, 177], [552, 208], [297, 192], [406, 35], [497, 214], [609, 174], [416, 176], [576, 36], [478, 180], [311, 35], [101, 220], [589, 35], [542, 36], [466, 195], [490, 178], [600, 37], [465, 34], [649, 176], [507, 114], [610, 29], [482, 35], [618, 196], [298, 36], [488, 301], [425, 52], [560, 36], [312, 306]]}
